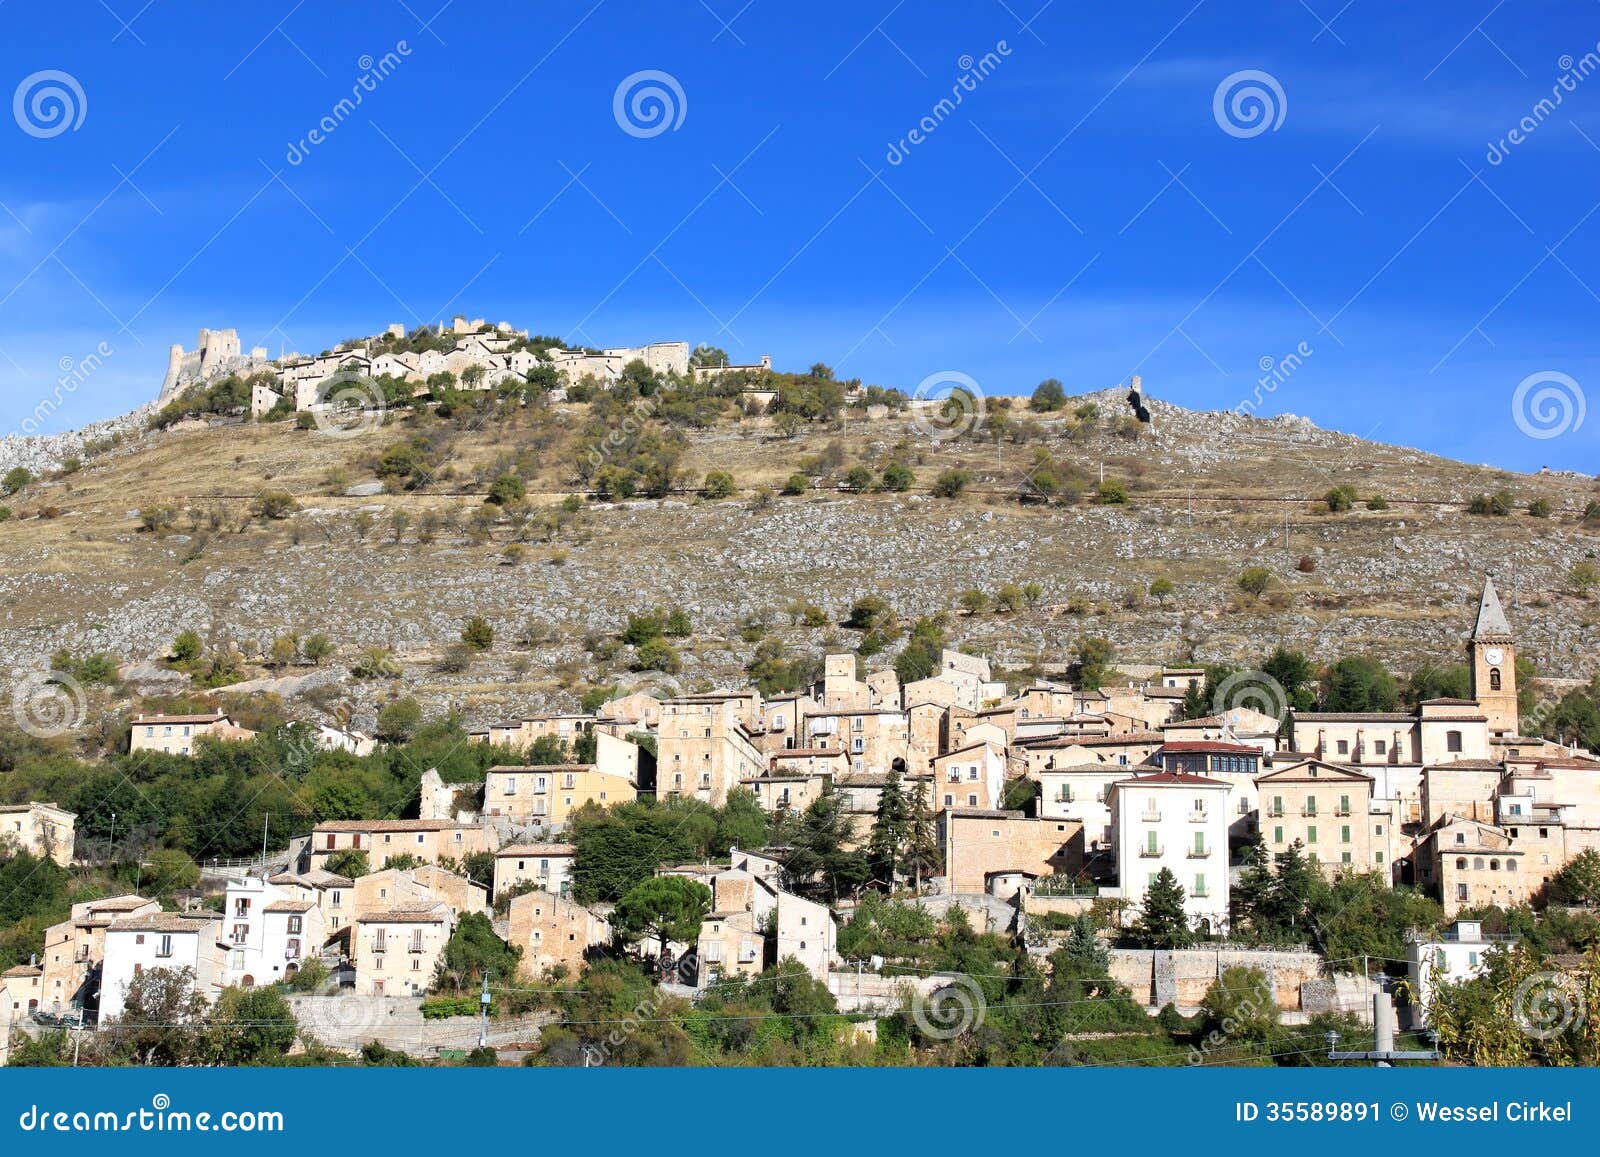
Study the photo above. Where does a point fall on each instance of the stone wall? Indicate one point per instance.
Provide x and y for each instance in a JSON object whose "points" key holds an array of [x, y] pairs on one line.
{"points": [[1158, 978]]}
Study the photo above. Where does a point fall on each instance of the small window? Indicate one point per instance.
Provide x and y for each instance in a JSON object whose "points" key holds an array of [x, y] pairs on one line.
{"points": [[1452, 741]]}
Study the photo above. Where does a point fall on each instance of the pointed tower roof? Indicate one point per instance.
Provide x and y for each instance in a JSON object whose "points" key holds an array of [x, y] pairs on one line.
{"points": [[1491, 618]]}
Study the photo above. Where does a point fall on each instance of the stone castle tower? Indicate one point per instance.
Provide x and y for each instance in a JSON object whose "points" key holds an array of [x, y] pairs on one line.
{"points": [[216, 352], [1493, 655]]}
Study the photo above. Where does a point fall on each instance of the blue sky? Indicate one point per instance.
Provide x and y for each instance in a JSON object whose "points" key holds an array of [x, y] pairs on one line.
{"points": [[1082, 213]]}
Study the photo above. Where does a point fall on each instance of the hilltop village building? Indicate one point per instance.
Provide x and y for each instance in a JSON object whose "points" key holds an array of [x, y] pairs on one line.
{"points": [[482, 357], [1045, 790]]}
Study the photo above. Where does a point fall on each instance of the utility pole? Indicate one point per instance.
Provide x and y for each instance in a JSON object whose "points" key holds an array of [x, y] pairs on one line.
{"points": [[265, 821], [1384, 1054], [483, 1014]]}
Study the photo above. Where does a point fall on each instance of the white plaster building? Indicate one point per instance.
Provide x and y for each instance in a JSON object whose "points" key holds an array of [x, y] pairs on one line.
{"points": [[1178, 821], [169, 940]]}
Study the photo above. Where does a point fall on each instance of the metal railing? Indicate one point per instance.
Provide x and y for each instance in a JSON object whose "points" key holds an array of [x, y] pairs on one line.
{"points": [[1063, 886]]}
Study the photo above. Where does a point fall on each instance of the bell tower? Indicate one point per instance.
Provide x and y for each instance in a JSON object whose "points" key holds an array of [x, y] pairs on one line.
{"points": [[1494, 663]]}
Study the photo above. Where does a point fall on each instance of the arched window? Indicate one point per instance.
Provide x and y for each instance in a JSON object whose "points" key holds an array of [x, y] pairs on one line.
{"points": [[1461, 863], [1511, 865], [1494, 678], [1494, 865], [1477, 863]]}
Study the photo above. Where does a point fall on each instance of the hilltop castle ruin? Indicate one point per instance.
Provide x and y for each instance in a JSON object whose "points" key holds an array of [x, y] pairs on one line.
{"points": [[216, 352]]}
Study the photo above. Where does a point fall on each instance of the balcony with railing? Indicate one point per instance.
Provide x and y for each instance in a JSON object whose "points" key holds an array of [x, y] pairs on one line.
{"points": [[1199, 853], [1151, 816], [1151, 851], [1063, 886], [1199, 817]]}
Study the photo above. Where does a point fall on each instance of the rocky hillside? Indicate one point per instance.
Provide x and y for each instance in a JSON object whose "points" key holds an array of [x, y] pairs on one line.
{"points": [[86, 568]]}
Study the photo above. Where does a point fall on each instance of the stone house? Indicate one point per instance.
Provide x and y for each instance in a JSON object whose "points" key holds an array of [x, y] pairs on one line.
{"points": [[972, 778], [1328, 810], [427, 840], [74, 949], [553, 930], [547, 795], [547, 865], [40, 829], [397, 950], [176, 734], [979, 842]]}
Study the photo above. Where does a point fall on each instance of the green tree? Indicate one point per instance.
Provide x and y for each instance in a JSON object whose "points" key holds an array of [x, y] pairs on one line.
{"points": [[472, 951], [1162, 920], [1254, 580], [1340, 499], [316, 648], [187, 647], [1048, 396], [1241, 1007], [1161, 590], [891, 829], [657, 655], [1093, 665], [667, 908], [1359, 684], [1295, 674], [973, 602], [1578, 882], [274, 505], [950, 483], [1583, 578], [351, 863], [858, 479], [398, 720], [868, 613], [252, 1026], [897, 476], [719, 484], [164, 1020], [820, 859], [507, 490], [478, 634], [1111, 493], [1083, 950]]}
